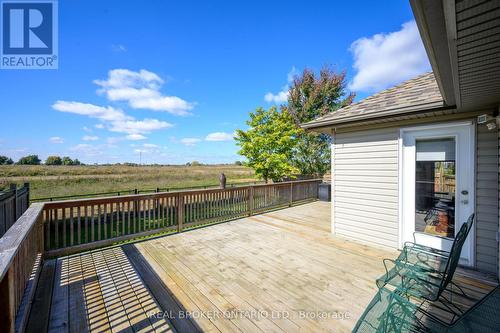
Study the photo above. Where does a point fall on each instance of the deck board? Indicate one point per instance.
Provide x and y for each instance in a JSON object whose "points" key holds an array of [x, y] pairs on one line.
{"points": [[274, 272]]}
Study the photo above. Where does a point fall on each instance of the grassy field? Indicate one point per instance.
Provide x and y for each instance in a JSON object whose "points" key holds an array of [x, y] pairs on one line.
{"points": [[54, 181]]}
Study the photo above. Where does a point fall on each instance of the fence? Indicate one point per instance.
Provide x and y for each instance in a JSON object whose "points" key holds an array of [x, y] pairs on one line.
{"points": [[13, 203], [55, 228], [21, 248], [77, 225]]}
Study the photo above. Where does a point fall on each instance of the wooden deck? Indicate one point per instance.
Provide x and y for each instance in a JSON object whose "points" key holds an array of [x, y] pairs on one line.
{"points": [[281, 271]]}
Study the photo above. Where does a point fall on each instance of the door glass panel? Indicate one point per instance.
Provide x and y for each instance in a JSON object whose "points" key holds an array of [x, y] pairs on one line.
{"points": [[435, 187]]}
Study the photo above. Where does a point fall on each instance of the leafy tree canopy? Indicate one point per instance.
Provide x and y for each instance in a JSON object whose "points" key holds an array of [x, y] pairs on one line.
{"points": [[269, 142], [312, 96], [53, 160], [4, 160], [66, 160], [29, 160]]}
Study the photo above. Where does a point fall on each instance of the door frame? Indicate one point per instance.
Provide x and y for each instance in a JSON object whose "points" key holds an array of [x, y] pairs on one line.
{"points": [[470, 149]]}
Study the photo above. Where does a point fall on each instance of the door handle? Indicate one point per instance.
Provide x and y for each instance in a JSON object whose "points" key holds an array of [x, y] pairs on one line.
{"points": [[465, 192]]}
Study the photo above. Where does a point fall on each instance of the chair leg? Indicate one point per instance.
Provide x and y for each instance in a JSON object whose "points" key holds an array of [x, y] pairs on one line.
{"points": [[459, 288]]}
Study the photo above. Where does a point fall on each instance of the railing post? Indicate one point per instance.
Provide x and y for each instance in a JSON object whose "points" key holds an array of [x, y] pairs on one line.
{"points": [[180, 212], [291, 194], [27, 187], [250, 200], [13, 188]]}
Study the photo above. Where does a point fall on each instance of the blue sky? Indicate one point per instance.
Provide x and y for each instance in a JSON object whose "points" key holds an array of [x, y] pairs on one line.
{"points": [[172, 80]]}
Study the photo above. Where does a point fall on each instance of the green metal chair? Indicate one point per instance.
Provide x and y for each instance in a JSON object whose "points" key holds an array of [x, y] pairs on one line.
{"points": [[390, 312], [419, 280], [428, 258]]}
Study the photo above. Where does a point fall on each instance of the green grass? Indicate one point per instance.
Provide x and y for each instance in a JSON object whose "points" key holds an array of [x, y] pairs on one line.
{"points": [[55, 181]]}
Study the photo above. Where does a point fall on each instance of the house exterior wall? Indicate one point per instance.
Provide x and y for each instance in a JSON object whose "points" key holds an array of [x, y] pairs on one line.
{"points": [[365, 186], [486, 199], [365, 190]]}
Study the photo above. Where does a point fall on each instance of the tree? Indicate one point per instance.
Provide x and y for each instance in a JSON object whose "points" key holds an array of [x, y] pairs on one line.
{"points": [[53, 160], [29, 160], [4, 160], [268, 143], [238, 163], [66, 160], [311, 97], [76, 162]]}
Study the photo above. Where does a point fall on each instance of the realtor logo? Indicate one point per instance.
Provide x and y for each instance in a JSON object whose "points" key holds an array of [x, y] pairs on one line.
{"points": [[29, 34]]}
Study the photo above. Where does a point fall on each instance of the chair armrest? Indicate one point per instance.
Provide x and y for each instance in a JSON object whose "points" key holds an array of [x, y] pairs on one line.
{"points": [[418, 247]]}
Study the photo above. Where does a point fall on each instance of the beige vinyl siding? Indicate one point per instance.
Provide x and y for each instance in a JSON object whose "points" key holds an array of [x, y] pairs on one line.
{"points": [[365, 186], [486, 199]]}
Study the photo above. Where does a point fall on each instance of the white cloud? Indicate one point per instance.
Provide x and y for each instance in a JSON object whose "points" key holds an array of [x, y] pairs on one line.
{"points": [[94, 111], [87, 149], [190, 141], [148, 148], [56, 139], [384, 60], [99, 126], [142, 91], [219, 136], [86, 129], [116, 119], [90, 138], [139, 126], [135, 137], [282, 96], [114, 140]]}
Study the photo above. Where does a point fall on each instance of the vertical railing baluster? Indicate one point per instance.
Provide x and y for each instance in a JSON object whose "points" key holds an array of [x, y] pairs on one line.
{"points": [[180, 212], [128, 218], [105, 220], [92, 223], [79, 224], [64, 227], [47, 228], [99, 224], [122, 205], [71, 228], [86, 224]]}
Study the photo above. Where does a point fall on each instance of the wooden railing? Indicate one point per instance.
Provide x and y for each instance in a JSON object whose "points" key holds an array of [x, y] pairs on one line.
{"points": [[21, 250], [56, 228], [76, 225], [13, 203]]}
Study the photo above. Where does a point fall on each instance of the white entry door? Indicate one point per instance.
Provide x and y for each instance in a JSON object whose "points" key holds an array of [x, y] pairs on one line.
{"points": [[437, 190]]}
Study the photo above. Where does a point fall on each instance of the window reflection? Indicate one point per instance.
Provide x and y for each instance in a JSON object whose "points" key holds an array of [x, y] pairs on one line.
{"points": [[435, 187]]}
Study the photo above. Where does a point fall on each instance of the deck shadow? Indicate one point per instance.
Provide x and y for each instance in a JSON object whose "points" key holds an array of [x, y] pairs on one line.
{"points": [[171, 306]]}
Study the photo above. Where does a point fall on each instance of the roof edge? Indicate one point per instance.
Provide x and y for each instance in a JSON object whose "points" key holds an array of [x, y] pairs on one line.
{"points": [[436, 106]]}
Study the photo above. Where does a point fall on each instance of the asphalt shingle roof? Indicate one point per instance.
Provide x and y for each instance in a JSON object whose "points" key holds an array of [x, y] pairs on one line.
{"points": [[419, 93]]}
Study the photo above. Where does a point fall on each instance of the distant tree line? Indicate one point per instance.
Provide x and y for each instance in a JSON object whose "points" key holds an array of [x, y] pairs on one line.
{"points": [[66, 160], [35, 160]]}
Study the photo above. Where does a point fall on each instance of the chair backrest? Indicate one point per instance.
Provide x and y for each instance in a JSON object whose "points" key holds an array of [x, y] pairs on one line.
{"points": [[456, 250]]}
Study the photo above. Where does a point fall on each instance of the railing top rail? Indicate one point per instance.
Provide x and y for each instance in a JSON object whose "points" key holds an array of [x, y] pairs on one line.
{"points": [[7, 194], [124, 198], [11, 241], [290, 182]]}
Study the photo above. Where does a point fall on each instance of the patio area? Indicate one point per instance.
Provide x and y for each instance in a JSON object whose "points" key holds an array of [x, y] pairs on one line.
{"points": [[281, 271]]}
